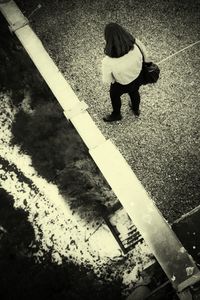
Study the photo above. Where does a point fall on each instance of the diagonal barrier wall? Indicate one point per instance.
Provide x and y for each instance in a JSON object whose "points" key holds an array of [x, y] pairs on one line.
{"points": [[173, 258]]}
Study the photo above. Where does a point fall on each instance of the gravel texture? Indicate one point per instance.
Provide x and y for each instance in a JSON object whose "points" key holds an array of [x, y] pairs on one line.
{"points": [[162, 146]]}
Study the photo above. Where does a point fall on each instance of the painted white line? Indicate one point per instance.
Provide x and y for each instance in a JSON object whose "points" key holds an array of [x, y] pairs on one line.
{"points": [[172, 55]]}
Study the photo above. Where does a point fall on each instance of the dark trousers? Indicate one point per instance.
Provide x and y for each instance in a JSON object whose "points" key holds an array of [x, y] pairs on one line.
{"points": [[117, 90]]}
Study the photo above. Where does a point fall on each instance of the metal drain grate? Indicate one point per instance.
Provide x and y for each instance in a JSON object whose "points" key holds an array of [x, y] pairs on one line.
{"points": [[131, 239], [123, 230]]}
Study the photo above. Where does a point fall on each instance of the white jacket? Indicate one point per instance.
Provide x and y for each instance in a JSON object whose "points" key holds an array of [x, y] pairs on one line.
{"points": [[123, 69]]}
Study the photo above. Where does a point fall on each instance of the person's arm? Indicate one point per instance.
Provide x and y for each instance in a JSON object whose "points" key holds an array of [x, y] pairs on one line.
{"points": [[143, 49], [107, 76]]}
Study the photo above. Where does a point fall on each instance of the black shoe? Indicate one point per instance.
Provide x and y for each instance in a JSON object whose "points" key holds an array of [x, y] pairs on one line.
{"points": [[112, 117], [136, 112]]}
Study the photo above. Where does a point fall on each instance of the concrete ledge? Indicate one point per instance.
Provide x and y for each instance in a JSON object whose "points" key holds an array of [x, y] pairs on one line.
{"points": [[88, 130], [75, 110]]}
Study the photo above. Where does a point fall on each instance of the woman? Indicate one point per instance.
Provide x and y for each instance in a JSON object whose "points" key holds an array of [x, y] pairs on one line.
{"points": [[121, 68]]}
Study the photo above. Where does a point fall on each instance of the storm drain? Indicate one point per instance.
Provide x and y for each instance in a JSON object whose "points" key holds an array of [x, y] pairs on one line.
{"points": [[131, 238], [124, 231]]}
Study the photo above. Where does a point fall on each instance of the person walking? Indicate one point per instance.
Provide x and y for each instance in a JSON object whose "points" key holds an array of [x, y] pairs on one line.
{"points": [[122, 68]]}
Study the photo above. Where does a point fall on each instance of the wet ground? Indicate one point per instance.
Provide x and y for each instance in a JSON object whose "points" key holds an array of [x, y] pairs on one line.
{"points": [[162, 146]]}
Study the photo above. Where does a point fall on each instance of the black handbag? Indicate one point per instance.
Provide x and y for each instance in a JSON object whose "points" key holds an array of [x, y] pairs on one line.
{"points": [[150, 71]]}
